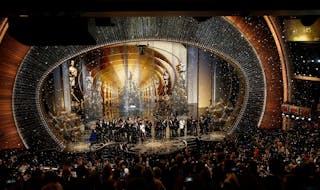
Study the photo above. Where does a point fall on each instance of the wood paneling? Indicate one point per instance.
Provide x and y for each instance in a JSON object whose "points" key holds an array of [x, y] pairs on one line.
{"points": [[266, 49], [11, 55]]}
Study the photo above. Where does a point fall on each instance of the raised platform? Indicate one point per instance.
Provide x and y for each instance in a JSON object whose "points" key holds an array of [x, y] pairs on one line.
{"points": [[215, 136], [157, 146], [168, 146], [160, 147]]}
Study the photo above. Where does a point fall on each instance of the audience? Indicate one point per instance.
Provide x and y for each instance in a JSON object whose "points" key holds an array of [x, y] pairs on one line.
{"points": [[256, 159]]}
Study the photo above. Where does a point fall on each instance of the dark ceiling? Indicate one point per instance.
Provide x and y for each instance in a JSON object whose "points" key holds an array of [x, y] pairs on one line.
{"points": [[54, 22], [157, 7]]}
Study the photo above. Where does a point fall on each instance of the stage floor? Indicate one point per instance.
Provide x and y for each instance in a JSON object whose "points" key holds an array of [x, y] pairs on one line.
{"points": [[163, 146]]}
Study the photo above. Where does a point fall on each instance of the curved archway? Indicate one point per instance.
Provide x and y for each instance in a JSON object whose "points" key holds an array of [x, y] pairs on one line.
{"points": [[215, 34]]}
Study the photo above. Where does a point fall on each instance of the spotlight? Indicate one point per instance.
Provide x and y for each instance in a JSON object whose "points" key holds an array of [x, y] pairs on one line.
{"points": [[132, 106]]}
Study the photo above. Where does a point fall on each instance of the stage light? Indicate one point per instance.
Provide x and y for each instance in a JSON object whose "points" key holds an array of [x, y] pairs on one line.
{"points": [[132, 106], [297, 31]]}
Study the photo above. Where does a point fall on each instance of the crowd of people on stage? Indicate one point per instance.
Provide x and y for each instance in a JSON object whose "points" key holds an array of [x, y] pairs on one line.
{"points": [[256, 159], [130, 130], [136, 129]]}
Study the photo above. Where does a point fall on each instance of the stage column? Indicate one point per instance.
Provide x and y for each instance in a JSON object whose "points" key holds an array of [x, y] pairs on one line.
{"points": [[66, 87], [167, 130], [192, 80], [58, 103], [152, 130]]}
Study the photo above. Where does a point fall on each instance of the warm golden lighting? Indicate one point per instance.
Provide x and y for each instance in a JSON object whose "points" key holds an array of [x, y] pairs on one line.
{"points": [[296, 31], [141, 69], [301, 38]]}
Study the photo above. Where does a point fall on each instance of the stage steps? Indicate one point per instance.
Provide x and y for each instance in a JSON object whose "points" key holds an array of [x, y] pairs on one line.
{"points": [[192, 144], [111, 150], [107, 153]]}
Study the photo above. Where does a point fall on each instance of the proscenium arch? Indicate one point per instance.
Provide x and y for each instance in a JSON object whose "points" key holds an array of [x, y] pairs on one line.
{"points": [[216, 35]]}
